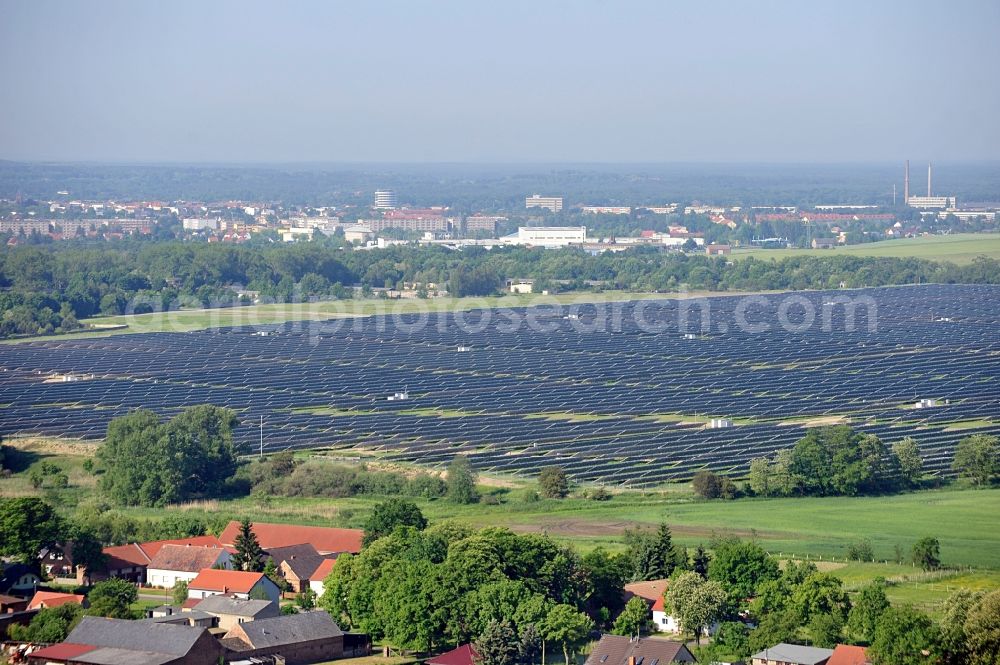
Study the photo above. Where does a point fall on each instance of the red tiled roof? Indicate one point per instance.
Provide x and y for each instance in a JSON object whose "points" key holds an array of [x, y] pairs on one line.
{"points": [[187, 558], [845, 654], [650, 590], [152, 548], [53, 599], [139, 554], [659, 605], [463, 655], [121, 556], [62, 651], [226, 581], [326, 540], [323, 570]]}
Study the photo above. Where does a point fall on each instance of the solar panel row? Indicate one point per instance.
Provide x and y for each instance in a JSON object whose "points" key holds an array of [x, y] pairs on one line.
{"points": [[626, 388]]}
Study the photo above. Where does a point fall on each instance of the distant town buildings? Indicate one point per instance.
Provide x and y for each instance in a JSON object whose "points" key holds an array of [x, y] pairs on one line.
{"points": [[483, 223], [553, 203], [385, 199], [932, 202], [606, 210], [411, 219], [199, 224]]}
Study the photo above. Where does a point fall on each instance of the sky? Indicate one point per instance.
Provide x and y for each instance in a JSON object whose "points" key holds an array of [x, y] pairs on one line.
{"points": [[506, 81]]}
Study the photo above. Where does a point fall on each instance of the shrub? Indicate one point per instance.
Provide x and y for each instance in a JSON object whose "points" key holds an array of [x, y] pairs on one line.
{"points": [[861, 551]]}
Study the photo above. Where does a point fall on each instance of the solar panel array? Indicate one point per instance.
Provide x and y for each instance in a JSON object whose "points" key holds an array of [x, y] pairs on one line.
{"points": [[624, 388]]}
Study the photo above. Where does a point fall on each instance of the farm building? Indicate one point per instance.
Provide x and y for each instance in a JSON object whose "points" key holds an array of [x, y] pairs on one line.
{"points": [[623, 650], [210, 582]]}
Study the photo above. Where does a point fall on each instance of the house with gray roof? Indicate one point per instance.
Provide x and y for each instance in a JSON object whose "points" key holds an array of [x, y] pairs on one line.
{"points": [[792, 654], [232, 611], [99, 641], [622, 650], [174, 563], [305, 637]]}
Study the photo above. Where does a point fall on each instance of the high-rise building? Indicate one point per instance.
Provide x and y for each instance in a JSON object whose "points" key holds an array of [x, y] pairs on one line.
{"points": [[385, 199], [553, 203]]}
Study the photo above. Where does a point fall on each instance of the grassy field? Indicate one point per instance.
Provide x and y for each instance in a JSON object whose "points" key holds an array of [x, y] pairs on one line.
{"points": [[959, 248], [966, 521], [814, 528]]}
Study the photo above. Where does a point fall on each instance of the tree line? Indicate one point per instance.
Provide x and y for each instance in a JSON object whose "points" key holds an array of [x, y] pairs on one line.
{"points": [[840, 461], [49, 289]]}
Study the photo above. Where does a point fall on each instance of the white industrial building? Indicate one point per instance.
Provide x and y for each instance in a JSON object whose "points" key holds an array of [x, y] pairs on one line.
{"points": [[986, 215], [606, 210], [931, 202], [551, 236]]}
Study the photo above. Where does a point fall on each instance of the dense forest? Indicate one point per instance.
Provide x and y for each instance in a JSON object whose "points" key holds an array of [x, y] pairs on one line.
{"points": [[49, 288]]}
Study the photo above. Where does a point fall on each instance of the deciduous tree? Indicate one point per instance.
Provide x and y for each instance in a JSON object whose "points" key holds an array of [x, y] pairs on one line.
{"points": [[977, 458], [695, 603], [461, 481], [113, 599], [179, 592], [926, 553], [635, 619], [911, 465], [739, 566], [27, 525], [390, 514], [870, 604], [569, 628], [903, 636], [982, 630], [553, 482]]}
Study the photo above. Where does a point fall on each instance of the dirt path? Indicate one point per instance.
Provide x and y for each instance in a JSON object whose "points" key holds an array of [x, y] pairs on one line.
{"points": [[51, 446]]}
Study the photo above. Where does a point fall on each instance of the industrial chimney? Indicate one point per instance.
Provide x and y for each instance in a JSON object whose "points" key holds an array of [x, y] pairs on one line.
{"points": [[906, 184], [928, 179]]}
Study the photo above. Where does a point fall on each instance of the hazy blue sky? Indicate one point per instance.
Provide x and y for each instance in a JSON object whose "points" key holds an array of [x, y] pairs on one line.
{"points": [[801, 80]]}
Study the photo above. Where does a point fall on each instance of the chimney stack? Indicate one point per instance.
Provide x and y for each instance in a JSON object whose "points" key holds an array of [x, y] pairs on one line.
{"points": [[928, 179], [906, 184]]}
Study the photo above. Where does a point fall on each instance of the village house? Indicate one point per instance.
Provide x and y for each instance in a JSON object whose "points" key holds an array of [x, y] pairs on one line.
{"points": [[464, 654], [12, 604], [846, 654], [792, 654], [57, 561], [43, 599], [19, 578], [230, 611], [317, 576], [99, 641], [622, 650], [211, 582], [306, 637], [175, 563], [181, 617], [130, 562]]}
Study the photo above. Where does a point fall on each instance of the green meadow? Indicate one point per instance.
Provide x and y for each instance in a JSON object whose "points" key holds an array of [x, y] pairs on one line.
{"points": [[960, 248]]}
